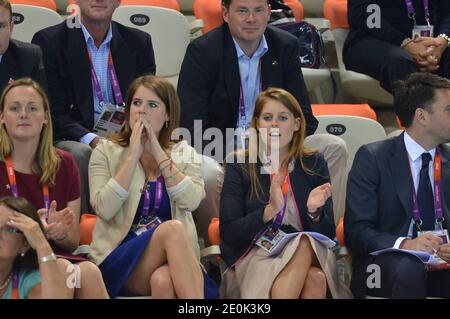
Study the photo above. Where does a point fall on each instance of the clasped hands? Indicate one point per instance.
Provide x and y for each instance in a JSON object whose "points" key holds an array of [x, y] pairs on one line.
{"points": [[426, 52]]}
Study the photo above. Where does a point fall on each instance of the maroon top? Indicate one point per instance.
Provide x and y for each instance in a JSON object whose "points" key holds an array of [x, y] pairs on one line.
{"points": [[65, 190]]}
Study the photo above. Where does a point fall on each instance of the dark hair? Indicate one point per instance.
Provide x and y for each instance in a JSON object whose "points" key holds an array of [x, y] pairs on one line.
{"points": [[21, 205], [7, 5], [417, 91], [226, 3]]}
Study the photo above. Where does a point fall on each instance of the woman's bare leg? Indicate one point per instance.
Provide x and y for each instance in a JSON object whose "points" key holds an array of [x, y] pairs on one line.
{"points": [[169, 245], [315, 285], [289, 282]]}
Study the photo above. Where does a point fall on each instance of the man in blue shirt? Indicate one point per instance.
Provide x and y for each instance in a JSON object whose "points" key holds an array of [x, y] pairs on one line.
{"points": [[75, 56], [246, 55]]}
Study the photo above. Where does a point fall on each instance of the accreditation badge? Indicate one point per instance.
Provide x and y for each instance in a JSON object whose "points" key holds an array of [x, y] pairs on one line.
{"points": [[422, 31], [111, 120], [153, 223]]}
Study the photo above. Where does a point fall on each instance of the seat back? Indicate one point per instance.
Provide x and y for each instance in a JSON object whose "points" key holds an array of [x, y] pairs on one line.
{"points": [[49, 4], [354, 130], [30, 19], [169, 30]]}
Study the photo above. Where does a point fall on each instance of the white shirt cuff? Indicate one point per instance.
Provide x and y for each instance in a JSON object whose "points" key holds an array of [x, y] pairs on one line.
{"points": [[399, 241], [120, 191], [87, 139]]}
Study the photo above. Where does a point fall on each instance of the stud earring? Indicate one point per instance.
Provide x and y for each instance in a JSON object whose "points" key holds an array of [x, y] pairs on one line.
{"points": [[167, 124], [22, 254]]}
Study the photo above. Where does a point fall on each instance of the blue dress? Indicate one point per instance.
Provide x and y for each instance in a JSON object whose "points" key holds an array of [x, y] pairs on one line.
{"points": [[119, 264]]}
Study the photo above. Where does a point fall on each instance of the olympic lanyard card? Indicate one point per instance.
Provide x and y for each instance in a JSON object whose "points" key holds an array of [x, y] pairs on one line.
{"points": [[422, 31], [153, 223], [110, 121], [274, 243]]}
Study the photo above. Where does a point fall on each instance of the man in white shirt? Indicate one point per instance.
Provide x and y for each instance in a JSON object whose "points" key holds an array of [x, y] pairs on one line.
{"points": [[398, 196]]}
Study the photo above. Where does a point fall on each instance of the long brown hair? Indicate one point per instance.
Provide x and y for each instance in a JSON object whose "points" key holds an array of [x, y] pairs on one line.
{"points": [[19, 204], [297, 150], [46, 160], [166, 92]]}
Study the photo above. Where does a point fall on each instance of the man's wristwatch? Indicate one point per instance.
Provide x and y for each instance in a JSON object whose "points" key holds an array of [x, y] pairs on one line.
{"points": [[446, 37]]}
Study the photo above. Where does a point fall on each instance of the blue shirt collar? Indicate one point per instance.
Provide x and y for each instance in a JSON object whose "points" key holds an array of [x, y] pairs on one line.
{"points": [[260, 51], [90, 40]]}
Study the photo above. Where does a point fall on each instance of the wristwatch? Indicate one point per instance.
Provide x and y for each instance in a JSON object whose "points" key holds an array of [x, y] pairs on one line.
{"points": [[446, 37]]}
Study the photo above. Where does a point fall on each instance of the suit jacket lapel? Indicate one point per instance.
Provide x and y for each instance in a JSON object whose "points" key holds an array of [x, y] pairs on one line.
{"points": [[270, 66], [123, 59], [299, 182], [231, 72], [78, 63], [401, 176]]}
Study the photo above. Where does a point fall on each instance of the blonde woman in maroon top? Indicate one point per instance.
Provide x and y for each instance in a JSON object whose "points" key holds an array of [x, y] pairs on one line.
{"points": [[48, 177]]}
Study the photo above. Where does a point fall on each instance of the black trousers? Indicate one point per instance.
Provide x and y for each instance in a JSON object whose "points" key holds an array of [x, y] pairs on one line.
{"points": [[405, 276], [386, 62]]}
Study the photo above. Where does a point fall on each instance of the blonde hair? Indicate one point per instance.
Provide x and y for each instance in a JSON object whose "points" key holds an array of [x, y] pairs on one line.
{"points": [[46, 160], [297, 150], [166, 92]]}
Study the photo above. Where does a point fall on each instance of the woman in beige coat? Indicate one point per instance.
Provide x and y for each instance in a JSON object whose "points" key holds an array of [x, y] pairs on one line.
{"points": [[143, 187]]}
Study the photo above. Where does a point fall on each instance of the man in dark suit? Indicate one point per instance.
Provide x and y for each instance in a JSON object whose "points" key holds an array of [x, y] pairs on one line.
{"points": [[76, 104], [386, 51], [380, 211], [245, 55], [17, 59]]}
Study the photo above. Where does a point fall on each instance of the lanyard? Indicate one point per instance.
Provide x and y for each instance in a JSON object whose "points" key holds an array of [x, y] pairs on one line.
{"points": [[15, 285], [437, 194], [158, 198], [242, 114], [412, 12], [13, 184], [114, 82], [279, 217]]}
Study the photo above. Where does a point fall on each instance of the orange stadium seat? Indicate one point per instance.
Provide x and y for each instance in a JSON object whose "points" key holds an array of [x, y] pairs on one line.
{"points": [[210, 11], [50, 4], [297, 9], [362, 110], [340, 232], [336, 12], [87, 224]]}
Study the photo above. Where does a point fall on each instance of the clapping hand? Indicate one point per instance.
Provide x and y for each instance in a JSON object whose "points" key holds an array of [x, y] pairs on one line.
{"points": [[58, 223]]}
